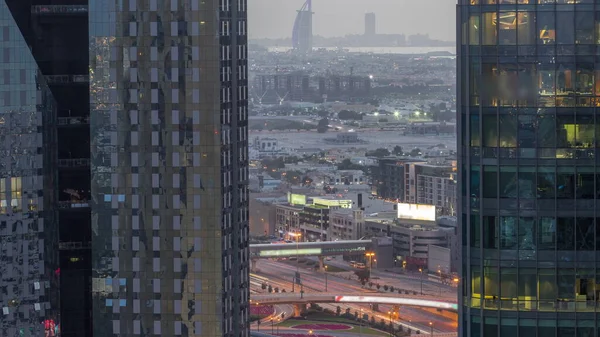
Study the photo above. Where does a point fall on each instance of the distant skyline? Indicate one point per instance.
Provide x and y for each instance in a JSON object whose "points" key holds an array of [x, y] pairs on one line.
{"points": [[275, 18]]}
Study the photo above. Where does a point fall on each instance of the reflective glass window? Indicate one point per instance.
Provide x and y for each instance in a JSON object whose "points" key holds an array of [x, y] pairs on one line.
{"points": [[566, 328], [527, 235], [508, 182], [547, 233], [508, 232], [527, 182], [508, 328], [546, 327]]}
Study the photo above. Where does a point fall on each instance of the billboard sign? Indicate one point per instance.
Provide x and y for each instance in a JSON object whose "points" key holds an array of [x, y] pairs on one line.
{"points": [[416, 212]]}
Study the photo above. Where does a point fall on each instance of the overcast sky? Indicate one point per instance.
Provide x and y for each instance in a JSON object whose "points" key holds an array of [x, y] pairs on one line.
{"points": [[275, 18]]}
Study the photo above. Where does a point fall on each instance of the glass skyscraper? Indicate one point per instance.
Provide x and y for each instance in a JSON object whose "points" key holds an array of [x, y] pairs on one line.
{"points": [[529, 155], [168, 95], [123, 168]]}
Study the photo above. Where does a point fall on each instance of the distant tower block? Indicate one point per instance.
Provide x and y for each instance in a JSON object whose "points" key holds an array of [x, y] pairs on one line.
{"points": [[370, 24], [302, 35]]}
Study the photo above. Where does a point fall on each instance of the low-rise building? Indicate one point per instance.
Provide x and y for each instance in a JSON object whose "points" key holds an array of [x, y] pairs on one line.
{"points": [[417, 181], [346, 224]]}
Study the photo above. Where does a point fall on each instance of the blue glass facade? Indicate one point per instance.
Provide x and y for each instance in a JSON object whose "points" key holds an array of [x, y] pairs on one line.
{"points": [[29, 272], [529, 155]]}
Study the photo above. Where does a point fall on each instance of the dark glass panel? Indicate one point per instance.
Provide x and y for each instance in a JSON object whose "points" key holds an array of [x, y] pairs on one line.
{"points": [[565, 183], [527, 182], [526, 28], [475, 134], [527, 131], [565, 233], [490, 232], [546, 131], [508, 130], [475, 231], [490, 131], [565, 32], [585, 183], [475, 185], [490, 181], [584, 233]]}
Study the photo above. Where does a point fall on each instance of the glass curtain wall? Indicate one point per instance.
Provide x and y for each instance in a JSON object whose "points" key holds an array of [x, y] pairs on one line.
{"points": [[529, 79]]}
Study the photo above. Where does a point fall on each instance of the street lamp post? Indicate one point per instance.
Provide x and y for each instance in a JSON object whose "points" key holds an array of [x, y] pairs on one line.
{"points": [[297, 236], [431, 326], [272, 326], [421, 271], [370, 256], [361, 319], [390, 321], [325, 278], [440, 286]]}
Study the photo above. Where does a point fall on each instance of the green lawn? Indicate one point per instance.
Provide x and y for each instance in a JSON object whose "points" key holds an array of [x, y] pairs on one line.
{"points": [[321, 318]]}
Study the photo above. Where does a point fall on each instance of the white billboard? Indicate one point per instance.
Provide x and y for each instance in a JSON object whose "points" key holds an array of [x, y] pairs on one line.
{"points": [[416, 212]]}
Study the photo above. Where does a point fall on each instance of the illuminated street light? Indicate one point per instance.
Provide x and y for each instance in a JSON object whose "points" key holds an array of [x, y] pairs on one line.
{"points": [[431, 326], [370, 255], [421, 271]]}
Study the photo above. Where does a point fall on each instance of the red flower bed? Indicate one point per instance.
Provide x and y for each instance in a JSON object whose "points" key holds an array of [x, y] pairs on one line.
{"points": [[261, 310], [301, 335], [324, 326]]}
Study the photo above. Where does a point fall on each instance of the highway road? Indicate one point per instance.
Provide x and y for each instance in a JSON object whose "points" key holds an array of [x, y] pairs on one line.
{"points": [[281, 274]]}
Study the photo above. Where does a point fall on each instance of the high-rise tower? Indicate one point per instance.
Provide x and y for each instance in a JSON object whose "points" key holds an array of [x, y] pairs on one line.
{"points": [[45, 180], [169, 167], [529, 83], [123, 179], [302, 35], [370, 29]]}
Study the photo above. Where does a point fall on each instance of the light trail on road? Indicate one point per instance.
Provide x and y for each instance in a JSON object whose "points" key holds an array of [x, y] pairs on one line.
{"points": [[413, 317]]}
